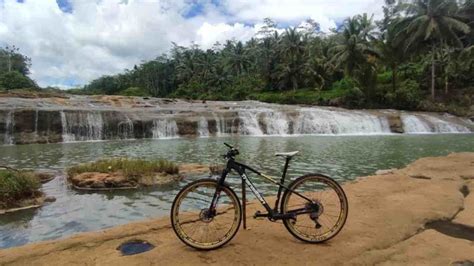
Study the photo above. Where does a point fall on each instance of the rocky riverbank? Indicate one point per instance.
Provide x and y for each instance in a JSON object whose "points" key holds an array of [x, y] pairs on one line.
{"points": [[82, 118], [422, 214]]}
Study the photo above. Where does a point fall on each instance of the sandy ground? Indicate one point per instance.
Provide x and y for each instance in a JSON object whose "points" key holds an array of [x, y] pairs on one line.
{"points": [[388, 223]]}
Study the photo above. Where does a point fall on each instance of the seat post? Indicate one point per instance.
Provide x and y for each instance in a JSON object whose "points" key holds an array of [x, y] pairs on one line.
{"points": [[282, 182]]}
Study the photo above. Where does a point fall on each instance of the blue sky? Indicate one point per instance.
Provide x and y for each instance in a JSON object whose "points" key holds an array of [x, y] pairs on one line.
{"points": [[72, 42]]}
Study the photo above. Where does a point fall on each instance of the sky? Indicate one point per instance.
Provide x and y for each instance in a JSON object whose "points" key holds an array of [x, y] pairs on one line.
{"points": [[72, 42]]}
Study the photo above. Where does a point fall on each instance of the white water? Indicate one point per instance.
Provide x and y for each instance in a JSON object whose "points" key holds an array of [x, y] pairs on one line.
{"points": [[424, 123], [82, 126], [203, 127], [9, 128], [125, 129], [165, 129], [277, 123], [321, 121], [91, 125], [249, 123]]}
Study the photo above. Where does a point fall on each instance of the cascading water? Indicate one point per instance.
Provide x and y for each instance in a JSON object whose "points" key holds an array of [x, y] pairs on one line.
{"points": [[277, 123], [9, 128], [125, 129], [424, 123], [165, 129], [321, 121], [33, 126], [203, 127], [81, 126], [249, 123]]}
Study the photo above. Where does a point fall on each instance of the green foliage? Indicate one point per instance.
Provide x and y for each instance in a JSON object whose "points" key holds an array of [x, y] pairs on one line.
{"points": [[134, 91], [407, 96], [12, 60], [15, 80], [344, 84], [131, 168], [16, 186], [385, 77]]}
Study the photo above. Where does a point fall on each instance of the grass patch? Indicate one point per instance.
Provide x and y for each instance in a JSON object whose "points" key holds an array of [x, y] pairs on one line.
{"points": [[130, 168], [16, 186]]}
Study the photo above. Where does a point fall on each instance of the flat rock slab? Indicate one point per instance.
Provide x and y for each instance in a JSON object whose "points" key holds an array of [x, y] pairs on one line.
{"points": [[386, 224], [466, 216]]}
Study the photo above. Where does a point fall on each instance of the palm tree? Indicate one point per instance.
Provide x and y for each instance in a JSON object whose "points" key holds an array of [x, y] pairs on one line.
{"points": [[235, 57], [292, 48], [353, 50], [431, 23]]}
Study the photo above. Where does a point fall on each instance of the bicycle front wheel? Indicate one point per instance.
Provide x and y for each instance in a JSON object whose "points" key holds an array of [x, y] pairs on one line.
{"points": [[317, 220], [191, 219]]}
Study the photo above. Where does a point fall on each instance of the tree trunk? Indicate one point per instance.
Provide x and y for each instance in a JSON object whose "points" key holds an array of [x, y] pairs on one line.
{"points": [[394, 78], [433, 73], [446, 84]]}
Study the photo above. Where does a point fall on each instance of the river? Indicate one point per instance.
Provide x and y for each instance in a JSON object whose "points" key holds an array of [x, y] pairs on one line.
{"points": [[342, 157]]}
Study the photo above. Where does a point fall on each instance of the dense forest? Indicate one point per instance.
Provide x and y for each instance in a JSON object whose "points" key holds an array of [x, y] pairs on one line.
{"points": [[420, 55]]}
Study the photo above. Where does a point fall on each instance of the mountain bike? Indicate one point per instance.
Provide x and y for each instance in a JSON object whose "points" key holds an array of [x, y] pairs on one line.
{"points": [[206, 214]]}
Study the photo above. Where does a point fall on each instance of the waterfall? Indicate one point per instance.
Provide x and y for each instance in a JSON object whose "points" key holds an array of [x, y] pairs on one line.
{"points": [[36, 124], [424, 123], [81, 126], [125, 129], [277, 123], [9, 128], [322, 121], [203, 127], [249, 123], [165, 128]]}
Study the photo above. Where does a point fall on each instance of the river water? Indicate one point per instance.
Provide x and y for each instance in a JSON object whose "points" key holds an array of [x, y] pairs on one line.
{"points": [[342, 157]]}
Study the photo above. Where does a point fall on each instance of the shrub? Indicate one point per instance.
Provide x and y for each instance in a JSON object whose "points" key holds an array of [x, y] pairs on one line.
{"points": [[15, 80], [385, 77], [354, 98], [407, 95], [17, 185], [131, 168], [344, 84]]}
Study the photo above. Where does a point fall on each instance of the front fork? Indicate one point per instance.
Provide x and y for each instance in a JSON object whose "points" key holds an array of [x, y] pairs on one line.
{"points": [[217, 193]]}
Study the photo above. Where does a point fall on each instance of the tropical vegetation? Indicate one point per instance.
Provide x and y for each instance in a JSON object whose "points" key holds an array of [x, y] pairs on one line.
{"points": [[420, 55]]}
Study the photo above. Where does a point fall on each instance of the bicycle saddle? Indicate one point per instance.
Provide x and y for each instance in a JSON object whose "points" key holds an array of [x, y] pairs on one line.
{"points": [[287, 154]]}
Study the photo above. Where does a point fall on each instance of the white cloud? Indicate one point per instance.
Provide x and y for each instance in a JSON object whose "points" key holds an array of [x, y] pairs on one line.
{"points": [[209, 34], [106, 36]]}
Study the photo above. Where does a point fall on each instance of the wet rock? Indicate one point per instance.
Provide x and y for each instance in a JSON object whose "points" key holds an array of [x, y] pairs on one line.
{"points": [[395, 123], [50, 199]]}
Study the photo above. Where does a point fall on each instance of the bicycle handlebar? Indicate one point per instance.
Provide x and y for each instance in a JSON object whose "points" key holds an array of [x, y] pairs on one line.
{"points": [[232, 152]]}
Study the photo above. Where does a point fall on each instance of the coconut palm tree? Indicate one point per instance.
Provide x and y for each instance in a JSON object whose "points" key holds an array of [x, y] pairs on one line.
{"points": [[292, 49], [431, 23], [353, 49]]}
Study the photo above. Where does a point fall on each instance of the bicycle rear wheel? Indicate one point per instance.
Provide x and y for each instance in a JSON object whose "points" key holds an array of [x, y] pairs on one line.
{"points": [[190, 217], [322, 218]]}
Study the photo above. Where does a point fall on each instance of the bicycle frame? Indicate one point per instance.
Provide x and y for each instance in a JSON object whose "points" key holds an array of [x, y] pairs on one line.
{"points": [[241, 170]]}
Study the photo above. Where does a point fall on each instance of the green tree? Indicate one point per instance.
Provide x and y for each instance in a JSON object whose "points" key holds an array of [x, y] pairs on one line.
{"points": [[431, 23], [12, 60], [16, 80]]}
